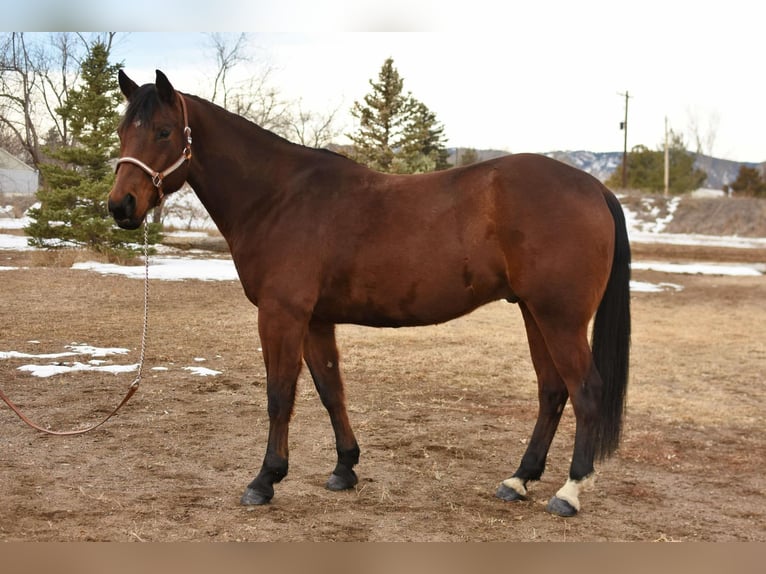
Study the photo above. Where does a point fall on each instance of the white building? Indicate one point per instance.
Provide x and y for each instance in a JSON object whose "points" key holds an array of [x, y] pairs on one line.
{"points": [[16, 177]]}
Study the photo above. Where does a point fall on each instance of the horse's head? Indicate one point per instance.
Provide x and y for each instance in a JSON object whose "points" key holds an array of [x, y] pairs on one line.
{"points": [[155, 149]]}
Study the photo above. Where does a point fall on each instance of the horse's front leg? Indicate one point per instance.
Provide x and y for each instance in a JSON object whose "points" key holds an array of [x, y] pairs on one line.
{"points": [[282, 340], [321, 354]]}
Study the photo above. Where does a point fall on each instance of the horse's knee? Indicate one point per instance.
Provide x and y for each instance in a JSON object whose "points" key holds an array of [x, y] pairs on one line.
{"points": [[280, 404]]}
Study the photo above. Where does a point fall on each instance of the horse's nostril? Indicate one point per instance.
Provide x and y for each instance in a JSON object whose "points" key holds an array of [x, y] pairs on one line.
{"points": [[123, 209]]}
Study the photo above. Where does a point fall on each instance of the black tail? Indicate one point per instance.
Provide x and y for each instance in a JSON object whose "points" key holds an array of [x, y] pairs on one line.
{"points": [[611, 337]]}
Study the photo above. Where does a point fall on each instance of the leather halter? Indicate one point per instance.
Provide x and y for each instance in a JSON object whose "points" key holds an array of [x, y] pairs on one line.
{"points": [[159, 176]]}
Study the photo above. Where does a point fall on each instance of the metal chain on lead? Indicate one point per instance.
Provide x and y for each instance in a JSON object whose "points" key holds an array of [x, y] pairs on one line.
{"points": [[145, 329]]}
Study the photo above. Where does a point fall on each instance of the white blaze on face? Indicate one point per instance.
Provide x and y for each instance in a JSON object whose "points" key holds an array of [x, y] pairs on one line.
{"points": [[572, 489]]}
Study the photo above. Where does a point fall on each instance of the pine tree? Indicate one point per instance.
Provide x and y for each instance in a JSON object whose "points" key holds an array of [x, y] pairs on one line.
{"points": [[749, 181], [423, 146], [646, 169], [77, 177], [381, 119], [468, 156], [397, 133]]}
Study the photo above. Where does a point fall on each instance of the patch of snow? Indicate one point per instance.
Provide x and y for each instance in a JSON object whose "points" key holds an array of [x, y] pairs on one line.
{"points": [[644, 287], [13, 223], [202, 371], [697, 239], [58, 369], [74, 349], [707, 192], [14, 243], [192, 234], [169, 269], [18, 355], [82, 349], [700, 268], [66, 367]]}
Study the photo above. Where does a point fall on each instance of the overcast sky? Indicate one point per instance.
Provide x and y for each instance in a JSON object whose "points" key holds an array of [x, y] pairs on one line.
{"points": [[518, 76]]}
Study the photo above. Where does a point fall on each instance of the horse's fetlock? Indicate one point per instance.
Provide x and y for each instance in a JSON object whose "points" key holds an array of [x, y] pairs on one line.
{"points": [[349, 457]]}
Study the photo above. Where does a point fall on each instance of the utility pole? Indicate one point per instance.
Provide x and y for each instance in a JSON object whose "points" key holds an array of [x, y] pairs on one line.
{"points": [[624, 127]]}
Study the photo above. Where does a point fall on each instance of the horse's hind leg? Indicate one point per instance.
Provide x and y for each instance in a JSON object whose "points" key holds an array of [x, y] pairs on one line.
{"points": [[568, 348], [586, 399], [552, 396], [320, 352]]}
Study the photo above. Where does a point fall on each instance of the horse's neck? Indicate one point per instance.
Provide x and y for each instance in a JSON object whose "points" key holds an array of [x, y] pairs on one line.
{"points": [[233, 163]]}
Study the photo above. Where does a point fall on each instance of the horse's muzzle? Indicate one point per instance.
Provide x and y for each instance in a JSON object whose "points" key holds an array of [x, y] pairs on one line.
{"points": [[124, 211]]}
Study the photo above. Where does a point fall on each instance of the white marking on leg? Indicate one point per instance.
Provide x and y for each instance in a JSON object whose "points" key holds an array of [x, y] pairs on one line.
{"points": [[571, 490], [516, 484]]}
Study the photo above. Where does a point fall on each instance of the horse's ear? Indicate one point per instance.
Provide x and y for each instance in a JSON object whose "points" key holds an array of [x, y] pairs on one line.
{"points": [[127, 86], [164, 88]]}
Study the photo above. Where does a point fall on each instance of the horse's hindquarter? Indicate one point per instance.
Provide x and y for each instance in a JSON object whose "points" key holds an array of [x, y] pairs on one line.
{"points": [[557, 232]]}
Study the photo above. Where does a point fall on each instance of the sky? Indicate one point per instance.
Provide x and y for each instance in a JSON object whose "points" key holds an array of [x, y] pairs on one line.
{"points": [[514, 76]]}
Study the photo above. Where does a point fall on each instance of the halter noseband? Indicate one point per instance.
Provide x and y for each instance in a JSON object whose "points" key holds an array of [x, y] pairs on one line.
{"points": [[159, 176]]}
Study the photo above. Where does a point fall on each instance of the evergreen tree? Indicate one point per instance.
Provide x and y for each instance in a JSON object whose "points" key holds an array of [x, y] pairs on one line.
{"points": [[646, 169], [423, 146], [749, 182], [78, 177], [468, 156], [397, 133]]}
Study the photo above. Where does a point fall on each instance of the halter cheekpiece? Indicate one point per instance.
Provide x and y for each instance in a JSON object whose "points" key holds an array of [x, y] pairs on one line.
{"points": [[159, 176]]}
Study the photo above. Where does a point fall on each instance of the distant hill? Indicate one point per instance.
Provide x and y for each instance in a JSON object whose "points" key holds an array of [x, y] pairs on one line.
{"points": [[602, 164]]}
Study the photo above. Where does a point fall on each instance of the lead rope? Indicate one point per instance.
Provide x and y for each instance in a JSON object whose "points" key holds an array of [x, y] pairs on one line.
{"points": [[141, 358], [145, 328]]}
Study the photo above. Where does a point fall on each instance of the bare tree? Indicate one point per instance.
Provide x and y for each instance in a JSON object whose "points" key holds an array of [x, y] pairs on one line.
{"points": [[19, 82], [227, 54], [59, 70], [254, 96], [313, 129], [244, 87], [704, 134], [36, 73]]}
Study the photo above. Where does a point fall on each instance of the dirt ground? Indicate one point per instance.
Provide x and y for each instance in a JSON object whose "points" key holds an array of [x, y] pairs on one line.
{"points": [[442, 415]]}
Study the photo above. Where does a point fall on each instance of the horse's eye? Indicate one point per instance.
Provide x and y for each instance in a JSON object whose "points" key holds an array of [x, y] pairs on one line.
{"points": [[163, 134]]}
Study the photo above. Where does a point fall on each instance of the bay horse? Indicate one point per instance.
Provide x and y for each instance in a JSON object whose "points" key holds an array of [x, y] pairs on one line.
{"points": [[319, 240]]}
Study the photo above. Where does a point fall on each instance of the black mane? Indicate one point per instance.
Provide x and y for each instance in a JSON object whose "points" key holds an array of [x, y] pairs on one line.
{"points": [[142, 105]]}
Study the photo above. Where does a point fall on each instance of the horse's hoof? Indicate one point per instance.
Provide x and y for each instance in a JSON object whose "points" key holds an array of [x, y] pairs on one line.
{"points": [[561, 507], [507, 493], [337, 482], [254, 498]]}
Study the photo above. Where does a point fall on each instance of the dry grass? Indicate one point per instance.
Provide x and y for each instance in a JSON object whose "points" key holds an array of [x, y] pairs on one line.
{"points": [[442, 414], [743, 216]]}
